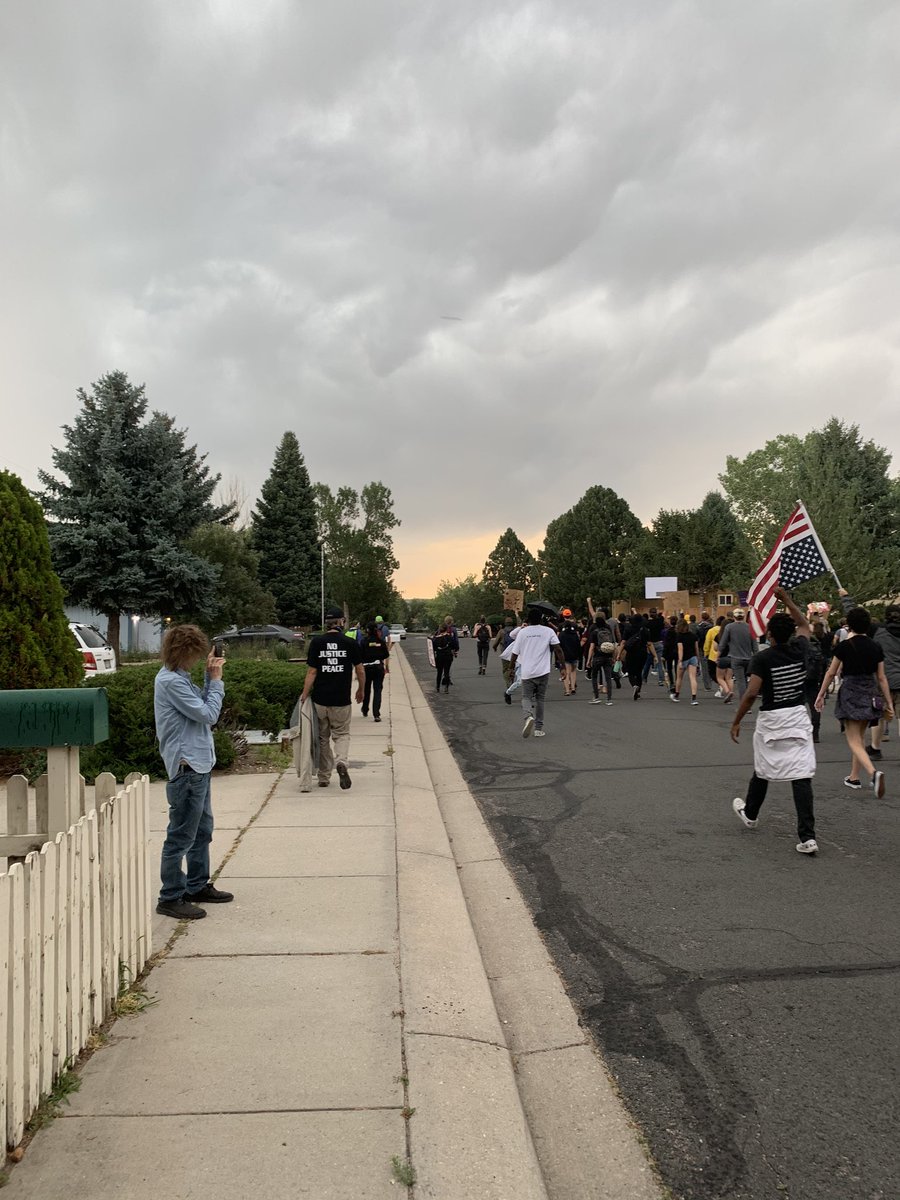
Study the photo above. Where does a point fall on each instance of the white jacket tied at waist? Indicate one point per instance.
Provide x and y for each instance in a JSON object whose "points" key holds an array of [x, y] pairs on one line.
{"points": [[783, 745]]}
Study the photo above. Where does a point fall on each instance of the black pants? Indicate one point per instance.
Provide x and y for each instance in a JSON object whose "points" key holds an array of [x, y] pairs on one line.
{"points": [[373, 689], [601, 666], [803, 802], [810, 691], [443, 662], [484, 649]]}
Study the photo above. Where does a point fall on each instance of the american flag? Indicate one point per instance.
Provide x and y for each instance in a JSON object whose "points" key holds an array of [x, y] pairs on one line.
{"points": [[796, 557]]}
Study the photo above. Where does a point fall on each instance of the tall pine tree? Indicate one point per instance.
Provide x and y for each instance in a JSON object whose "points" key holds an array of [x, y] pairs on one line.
{"points": [[509, 565], [133, 492], [285, 536], [37, 649]]}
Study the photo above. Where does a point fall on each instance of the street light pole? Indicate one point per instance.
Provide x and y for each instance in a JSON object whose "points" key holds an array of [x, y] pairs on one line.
{"points": [[322, 580]]}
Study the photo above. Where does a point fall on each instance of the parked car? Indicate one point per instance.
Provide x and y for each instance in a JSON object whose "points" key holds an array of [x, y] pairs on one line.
{"points": [[262, 635], [398, 633], [99, 656]]}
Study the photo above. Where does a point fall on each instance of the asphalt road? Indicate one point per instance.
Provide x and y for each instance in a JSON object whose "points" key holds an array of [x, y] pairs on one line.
{"points": [[744, 996]]}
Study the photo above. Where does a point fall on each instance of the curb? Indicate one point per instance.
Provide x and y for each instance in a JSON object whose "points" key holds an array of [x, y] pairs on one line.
{"points": [[469, 1137], [586, 1144]]}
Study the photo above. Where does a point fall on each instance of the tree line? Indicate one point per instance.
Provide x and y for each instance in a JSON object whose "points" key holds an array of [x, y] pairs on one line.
{"points": [[599, 547], [134, 525]]}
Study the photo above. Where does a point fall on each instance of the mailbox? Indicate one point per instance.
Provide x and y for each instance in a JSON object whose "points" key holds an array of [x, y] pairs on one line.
{"points": [[51, 717]]}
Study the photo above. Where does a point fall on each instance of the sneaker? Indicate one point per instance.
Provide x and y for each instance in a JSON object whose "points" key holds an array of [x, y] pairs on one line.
{"points": [[528, 726], [507, 697], [597, 700], [344, 776], [875, 754], [807, 847], [209, 895], [377, 720], [365, 712], [738, 805], [717, 694], [324, 782], [694, 701], [878, 784], [181, 910], [852, 783], [609, 704], [728, 699], [673, 697], [637, 694], [539, 733]]}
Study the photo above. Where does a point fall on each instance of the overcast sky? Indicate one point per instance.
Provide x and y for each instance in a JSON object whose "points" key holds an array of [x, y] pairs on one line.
{"points": [[669, 231]]}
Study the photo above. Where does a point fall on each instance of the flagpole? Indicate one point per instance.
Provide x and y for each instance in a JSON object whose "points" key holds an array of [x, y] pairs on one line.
{"points": [[821, 548]]}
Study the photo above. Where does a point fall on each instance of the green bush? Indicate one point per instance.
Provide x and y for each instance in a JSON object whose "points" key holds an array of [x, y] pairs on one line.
{"points": [[258, 695]]}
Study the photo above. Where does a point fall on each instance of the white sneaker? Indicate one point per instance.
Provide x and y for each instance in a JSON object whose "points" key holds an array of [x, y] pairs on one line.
{"points": [[609, 704], [529, 725], [738, 805], [599, 700], [539, 733], [808, 847], [717, 694], [878, 784], [694, 702]]}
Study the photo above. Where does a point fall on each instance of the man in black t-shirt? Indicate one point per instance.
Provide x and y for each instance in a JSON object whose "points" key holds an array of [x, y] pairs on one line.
{"points": [[783, 742], [331, 663]]}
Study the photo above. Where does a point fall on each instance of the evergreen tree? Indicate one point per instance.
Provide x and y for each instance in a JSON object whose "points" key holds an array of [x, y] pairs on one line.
{"points": [[239, 598], [285, 536], [509, 565], [134, 492], [37, 649], [705, 548], [595, 549], [356, 531]]}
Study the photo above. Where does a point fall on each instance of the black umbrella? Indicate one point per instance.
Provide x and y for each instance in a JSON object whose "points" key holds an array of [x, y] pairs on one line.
{"points": [[544, 606]]}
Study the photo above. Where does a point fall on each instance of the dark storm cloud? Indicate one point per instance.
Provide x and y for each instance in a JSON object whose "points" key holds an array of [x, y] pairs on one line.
{"points": [[670, 230]]}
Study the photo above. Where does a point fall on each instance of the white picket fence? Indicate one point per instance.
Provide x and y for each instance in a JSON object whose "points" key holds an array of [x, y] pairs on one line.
{"points": [[69, 916]]}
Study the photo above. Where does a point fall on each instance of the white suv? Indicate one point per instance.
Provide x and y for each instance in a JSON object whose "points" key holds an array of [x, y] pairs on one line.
{"points": [[99, 656]]}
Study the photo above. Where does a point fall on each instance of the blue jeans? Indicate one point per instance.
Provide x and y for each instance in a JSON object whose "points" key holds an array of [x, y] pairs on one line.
{"points": [[649, 664], [188, 835], [533, 693]]}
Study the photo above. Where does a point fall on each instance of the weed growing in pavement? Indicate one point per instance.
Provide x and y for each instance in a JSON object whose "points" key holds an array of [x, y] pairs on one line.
{"points": [[404, 1171], [407, 1112], [67, 1083], [132, 998]]}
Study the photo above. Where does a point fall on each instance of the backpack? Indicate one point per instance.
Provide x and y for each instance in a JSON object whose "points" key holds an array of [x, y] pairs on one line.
{"points": [[484, 633], [815, 660]]}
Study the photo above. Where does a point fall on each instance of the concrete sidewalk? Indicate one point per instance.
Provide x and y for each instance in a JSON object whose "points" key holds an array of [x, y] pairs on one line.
{"points": [[339, 1014]]}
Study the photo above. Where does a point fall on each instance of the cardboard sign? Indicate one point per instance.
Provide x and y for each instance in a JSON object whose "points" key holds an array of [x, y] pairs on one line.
{"points": [[513, 600]]}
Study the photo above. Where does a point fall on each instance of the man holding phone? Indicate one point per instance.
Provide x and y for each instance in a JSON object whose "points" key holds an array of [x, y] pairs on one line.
{"points": [[185, 715]]}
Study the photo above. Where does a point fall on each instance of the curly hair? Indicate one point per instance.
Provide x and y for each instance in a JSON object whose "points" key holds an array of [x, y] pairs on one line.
{"points": [[182, 643]]}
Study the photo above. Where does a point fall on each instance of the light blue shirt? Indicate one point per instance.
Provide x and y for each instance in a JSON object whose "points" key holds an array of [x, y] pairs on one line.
{"points": [[184, 719]]}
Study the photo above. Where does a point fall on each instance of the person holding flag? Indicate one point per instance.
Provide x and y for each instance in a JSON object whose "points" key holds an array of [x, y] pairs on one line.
{"points": [[782, 743], [796, 557]]}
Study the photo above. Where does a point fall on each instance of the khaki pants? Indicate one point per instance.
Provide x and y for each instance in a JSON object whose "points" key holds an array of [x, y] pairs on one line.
{"points": [[334, 723]]}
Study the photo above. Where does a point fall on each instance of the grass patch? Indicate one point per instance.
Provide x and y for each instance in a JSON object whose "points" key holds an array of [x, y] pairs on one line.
{"points": [[132, 998], [66, 1084], [404, 1171]]}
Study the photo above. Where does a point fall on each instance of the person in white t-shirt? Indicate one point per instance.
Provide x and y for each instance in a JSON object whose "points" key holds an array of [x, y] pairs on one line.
{"points": [[532, 651]]}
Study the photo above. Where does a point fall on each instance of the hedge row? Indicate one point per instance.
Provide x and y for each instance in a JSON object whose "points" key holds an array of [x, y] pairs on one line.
{"points": [[258, 695]]}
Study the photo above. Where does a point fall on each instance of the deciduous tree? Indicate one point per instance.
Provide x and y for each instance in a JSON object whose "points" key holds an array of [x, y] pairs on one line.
{"points": [[355, 528], [594, 549], [239, 598]]}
